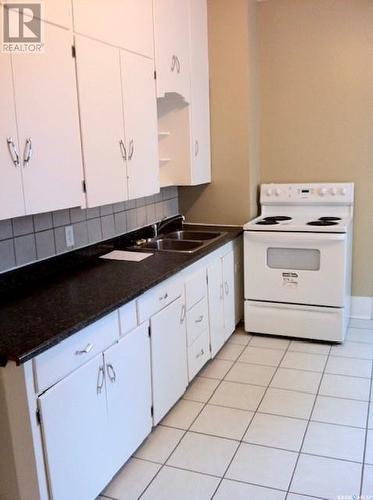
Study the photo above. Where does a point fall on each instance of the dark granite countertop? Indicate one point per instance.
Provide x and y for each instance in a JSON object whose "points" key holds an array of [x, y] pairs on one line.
{"points": [[46, 302]]}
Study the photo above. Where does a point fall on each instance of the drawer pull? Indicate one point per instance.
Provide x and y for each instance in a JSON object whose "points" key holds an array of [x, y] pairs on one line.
{"points": [[111, 373], [226, 288], [199, 319], [87, 350], [100, 379], [201, 353], [164, 297]]}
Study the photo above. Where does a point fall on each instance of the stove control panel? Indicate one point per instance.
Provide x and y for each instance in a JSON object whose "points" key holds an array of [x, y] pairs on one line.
{"points": [[307, 194]]}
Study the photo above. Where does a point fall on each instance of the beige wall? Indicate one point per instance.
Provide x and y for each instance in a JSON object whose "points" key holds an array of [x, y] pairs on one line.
{"points": [[316, 76], [231, 197]]}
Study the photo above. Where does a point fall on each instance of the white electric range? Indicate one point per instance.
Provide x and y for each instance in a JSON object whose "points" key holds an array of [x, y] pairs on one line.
{"points": [[298, 256]]}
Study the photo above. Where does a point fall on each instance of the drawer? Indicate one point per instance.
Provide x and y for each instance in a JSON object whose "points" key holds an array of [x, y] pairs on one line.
{"points": [[198, 354], [60, 360], [127, 318], [195, 288], [197, 320], [158, 297]]}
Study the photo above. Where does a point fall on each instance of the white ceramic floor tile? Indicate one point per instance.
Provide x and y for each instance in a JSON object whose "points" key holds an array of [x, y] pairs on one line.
{"points": [[131, 481], [223, 422], [217, 369], [276, 431], [353, 350], [240, 337], [368, 482], [340, 411], [335, 441], [201, 453], [326, 477], [369, 448], [361, 323], [181, 484], [261, 356], [370, 421], [349, 366], [296, 380], [342, 386], [230, 352], [201, 389], [360, 335], [159, 444], [304, 361], [269, 342], [251, 374], [232, 490], [293, 496], [235, 395], [287, 403], [309, 347], [262, 466], [182, 414]]}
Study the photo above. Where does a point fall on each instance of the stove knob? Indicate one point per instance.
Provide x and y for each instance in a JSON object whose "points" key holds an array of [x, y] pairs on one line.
{"points": [[333, 191], [269, 192], [343, 191], [277, 192], [323, 191]]}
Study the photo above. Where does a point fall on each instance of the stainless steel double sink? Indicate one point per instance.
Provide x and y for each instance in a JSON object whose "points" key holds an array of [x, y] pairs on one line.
{"points": [[183, 241]]}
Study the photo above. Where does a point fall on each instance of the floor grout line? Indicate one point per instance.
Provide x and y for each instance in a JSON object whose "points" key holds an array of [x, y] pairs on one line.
{"points": [[366, 434]]}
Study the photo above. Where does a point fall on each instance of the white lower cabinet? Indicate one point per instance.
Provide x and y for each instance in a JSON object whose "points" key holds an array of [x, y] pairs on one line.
{"points": [[74, 423], [229, 294], [93, 420], [169, 357]]}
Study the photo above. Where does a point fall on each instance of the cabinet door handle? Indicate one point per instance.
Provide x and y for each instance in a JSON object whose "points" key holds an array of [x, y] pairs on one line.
{"points": [[123, 150], [226, 287], [201, 353], [173, 63], [111, 372], [199, 320], [178, 65], [27, 154], [131, 149], [183, 313], [13, 151], [163, 297], [196, 149], [86, 350], [100, 379]]}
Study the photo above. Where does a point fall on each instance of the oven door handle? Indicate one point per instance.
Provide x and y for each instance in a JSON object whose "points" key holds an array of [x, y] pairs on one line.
{"points": [[292, 237]]}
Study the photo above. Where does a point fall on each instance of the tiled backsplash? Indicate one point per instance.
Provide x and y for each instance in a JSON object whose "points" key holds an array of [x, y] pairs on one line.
{"points": [[27, 239]]}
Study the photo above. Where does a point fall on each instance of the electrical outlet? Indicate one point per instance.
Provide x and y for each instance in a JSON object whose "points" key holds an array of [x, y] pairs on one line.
{"points": [[69, 235]]}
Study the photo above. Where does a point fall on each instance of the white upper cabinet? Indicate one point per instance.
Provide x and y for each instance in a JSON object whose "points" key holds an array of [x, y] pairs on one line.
{"points": [[171, 18], [123, 23], [101, 114], [140, 116], [11, 192], [200, 102], [48, 124]]}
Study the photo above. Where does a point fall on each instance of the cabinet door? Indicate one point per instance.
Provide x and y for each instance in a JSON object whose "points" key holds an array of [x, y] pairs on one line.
{"points": [[229, 294], [47, 113], [128, 394], [125, 23], [140, 117], [216, 305], [200, 107], [172, 51], [11, 193], [101, 115], [169, 357], [74, 428]]}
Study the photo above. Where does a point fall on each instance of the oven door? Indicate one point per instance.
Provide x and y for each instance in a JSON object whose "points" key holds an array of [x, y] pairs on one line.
{"points": [[298, 268]]}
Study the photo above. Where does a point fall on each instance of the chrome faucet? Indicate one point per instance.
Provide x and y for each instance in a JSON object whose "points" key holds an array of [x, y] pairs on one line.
{"points": [[163, 223]]}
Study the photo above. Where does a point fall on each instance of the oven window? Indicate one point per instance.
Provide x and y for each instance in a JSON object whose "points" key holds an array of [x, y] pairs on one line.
{"points": [[299, 259]]}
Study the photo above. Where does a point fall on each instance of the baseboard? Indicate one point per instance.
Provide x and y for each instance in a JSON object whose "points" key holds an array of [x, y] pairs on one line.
{"points": [[361, 307]]}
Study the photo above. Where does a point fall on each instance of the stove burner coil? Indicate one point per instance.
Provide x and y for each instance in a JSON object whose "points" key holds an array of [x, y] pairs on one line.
{"points": [[330, 219], [322, 223], [277, 218], [267, 222]]}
